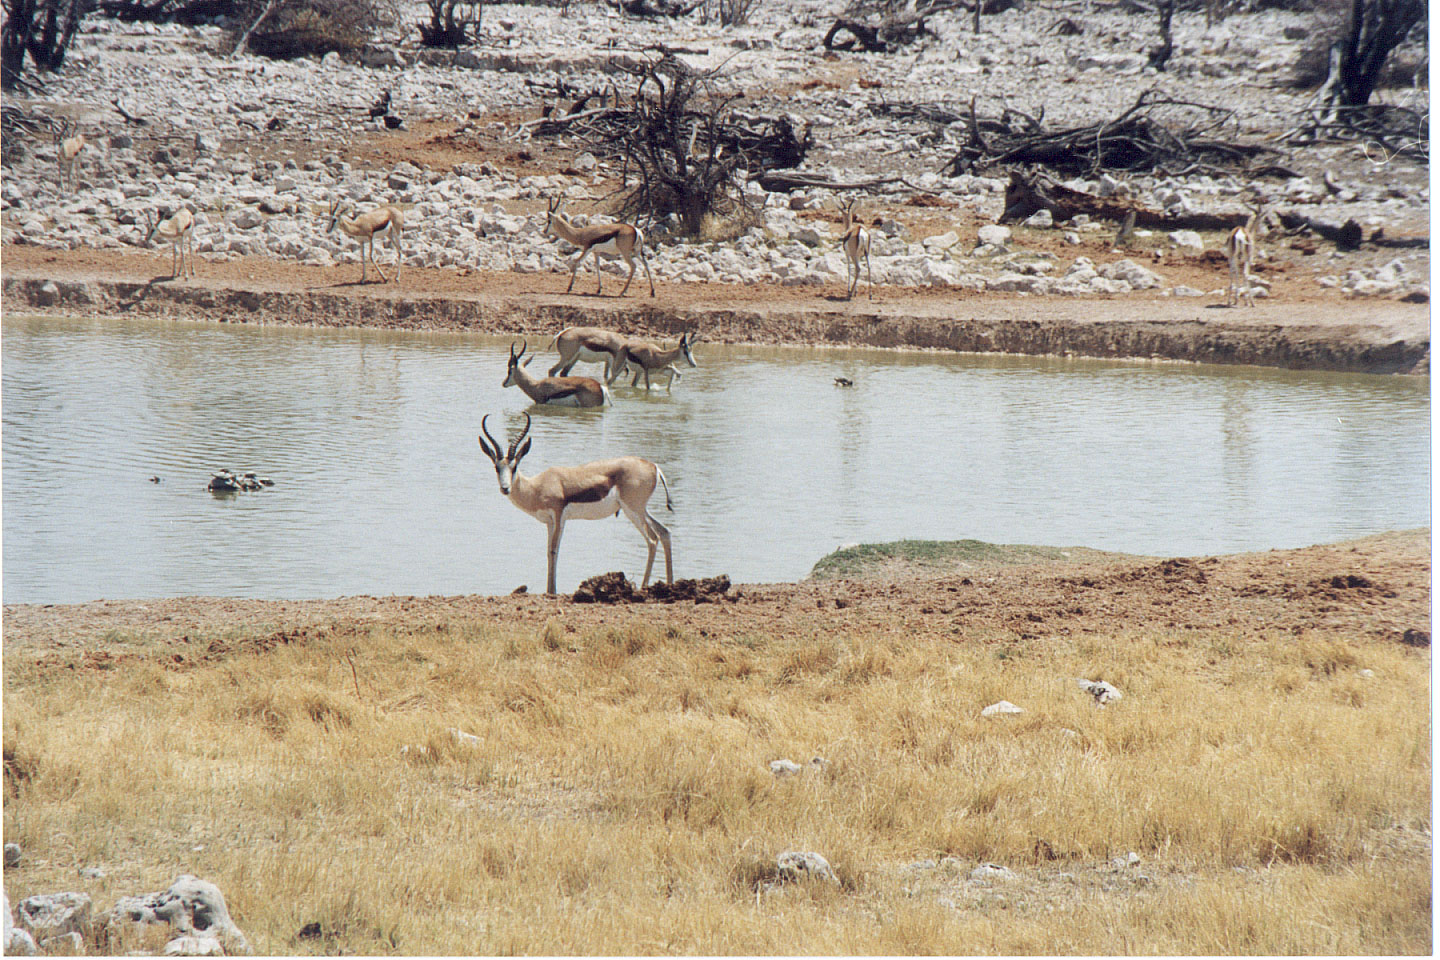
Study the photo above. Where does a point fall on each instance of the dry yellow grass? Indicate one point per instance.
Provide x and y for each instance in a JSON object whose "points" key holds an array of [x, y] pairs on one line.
{"points": [[620, 801]]}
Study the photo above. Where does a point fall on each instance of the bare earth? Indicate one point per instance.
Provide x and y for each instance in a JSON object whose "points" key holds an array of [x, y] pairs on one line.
{"points": [[1376, 588]]}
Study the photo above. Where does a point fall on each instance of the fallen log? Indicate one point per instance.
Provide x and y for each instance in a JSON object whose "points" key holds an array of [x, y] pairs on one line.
{"points": [[1029, 192]]}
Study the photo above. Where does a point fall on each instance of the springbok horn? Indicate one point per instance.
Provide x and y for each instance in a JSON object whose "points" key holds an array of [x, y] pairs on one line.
{"points": [[516, 443], [492, 451]]}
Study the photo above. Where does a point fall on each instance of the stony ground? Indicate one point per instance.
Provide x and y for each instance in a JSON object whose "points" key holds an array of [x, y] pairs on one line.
{"points": [[475, 183]]}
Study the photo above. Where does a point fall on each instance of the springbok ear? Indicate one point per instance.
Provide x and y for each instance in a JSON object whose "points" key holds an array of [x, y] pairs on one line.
{"points": [[485, 447], [524, 449], [526, 361]]}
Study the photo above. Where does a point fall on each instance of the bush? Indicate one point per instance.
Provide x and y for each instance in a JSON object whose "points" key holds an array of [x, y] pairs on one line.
{"points": [[301, 28]]}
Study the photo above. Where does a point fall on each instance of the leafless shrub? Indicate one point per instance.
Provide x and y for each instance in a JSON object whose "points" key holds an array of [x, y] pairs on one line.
{"points": [[299, 28]]}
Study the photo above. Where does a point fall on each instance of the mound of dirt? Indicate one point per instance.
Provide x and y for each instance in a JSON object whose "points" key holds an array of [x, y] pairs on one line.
{"points": [[608, 588], [614, 588]]}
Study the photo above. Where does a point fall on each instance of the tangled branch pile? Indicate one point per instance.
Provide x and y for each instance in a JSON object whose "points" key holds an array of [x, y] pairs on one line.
{"points": [[681, 142], [1155, 135]]}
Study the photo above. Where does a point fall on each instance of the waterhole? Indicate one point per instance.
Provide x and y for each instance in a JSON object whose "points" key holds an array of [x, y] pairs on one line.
{"points": [[380, 486]]}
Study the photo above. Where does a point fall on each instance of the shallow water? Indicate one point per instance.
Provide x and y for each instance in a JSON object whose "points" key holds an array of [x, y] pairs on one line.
{"points": [[381, 488]]}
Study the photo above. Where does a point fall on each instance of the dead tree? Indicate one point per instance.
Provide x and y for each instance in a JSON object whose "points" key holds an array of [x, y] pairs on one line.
{"points": [[453, 23], [1375, 28], [675, 148], [41, 28], [1159, 56]]}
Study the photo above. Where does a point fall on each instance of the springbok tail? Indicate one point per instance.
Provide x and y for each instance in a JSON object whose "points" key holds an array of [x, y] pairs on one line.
{"points": [[661, 474], [557, 336]]}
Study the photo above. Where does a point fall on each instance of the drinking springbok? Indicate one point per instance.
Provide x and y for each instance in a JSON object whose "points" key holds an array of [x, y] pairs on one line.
{"points": [[611, 239], [590, 344], [558, 391], [175, 231], [589, 492], [648, 356]]}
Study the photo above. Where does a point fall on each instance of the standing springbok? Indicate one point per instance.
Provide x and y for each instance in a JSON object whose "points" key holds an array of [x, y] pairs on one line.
{"points": [[176, 231], [590, 344], [649, 356], [1240, 251], [589, 492], [383, 221], [557, 391], [856, 241], [611, 239], [69, 141]]}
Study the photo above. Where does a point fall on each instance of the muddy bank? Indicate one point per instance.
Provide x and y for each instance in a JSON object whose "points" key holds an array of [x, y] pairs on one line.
{"points": [[1378, 338]]}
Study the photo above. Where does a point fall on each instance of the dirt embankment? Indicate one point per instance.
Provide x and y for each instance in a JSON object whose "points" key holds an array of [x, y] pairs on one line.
{"points": [[1376, 588], [1374, 337]]}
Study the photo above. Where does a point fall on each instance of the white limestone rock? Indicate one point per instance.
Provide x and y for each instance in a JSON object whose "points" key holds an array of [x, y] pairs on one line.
{"points": [[796, 867], [191, 906], [54, 914], [1002, 709]]}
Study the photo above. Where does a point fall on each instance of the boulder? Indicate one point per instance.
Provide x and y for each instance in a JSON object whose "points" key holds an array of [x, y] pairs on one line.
{"points": [[1187, 240], [794, 867], [193, 908], [1132, 273], [991, 871], [1002, 709], [1102, 692], [54, 914], [17, 942], [1042, 218], [48, 295], [995, 234], [194, 947]]}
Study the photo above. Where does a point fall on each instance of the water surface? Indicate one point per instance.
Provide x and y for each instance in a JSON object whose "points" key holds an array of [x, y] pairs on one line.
{"points": [[381, 487]]}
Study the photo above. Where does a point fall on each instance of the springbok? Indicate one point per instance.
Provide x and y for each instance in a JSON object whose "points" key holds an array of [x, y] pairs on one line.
{"points": [[589, 492], [1240, 251], [559, 391], [611, 239], [175, 231], [69, 141], [855, 239], [383, 221], [590, 344], [649, 356]]}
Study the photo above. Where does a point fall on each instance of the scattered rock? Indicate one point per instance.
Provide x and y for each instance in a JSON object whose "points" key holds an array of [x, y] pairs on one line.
{"points": [[54, 914], [65, 945], [48, 295], [1099, 689], [1187, 240], [17, 942], [194, 909], [789, 768], [91, 873], [994, 234], [1041, 218], [1414, 637], [12, 854], [1131, 859], [795, 867], [991, 871], [1001, 709]]}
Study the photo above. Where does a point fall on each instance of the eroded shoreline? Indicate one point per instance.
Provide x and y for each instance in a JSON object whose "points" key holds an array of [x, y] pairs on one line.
{"points": [[1384, 338]]}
